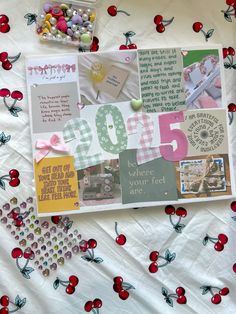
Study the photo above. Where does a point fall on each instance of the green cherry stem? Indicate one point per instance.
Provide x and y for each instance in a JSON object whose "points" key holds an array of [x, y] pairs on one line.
{"points": [[91, 255], [15, 58], [5, 103], [15, 310], [171, 221], [121, 11], [163, 265], [173, 295], [26, 264], [231, 60], [116, 230], [228, 10], [18, 265], [205, 34], [63, 283], [213, 240], [168, 22], [211, 292]]}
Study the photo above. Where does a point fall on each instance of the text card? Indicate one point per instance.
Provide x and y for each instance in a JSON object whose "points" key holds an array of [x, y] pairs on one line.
{"points": [[161, 74], [56, 185], [152, 181], [206, 131], [53, 105], [114, 81], [51, 69]]}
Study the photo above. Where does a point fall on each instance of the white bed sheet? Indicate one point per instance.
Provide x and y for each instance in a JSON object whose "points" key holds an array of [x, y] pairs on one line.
{"points": [[146, 229]]}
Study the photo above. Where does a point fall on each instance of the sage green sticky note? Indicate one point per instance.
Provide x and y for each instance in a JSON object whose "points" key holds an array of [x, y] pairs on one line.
{"points": [[152, 181]]}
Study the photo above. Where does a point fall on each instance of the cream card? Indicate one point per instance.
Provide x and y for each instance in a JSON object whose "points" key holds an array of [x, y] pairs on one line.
{"points": [[114, 81]]}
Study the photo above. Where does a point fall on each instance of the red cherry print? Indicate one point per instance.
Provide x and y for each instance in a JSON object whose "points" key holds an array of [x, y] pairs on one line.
{"points": [[117, 288], [170, 210], [4, 19], [13, 173], [160, 28], [232, 108], [4, 300], [225, 52], [216, 299], [154, 256], [219, 247], [73, 280], [233, 204], [70, 289], [158, 19], [95, 40], [14, 215], [17, 95], [17, 252], [84, 246], [121, 239], [230, 2], [3, 56], [92, 243], [7, 65], [153, 268], [4, 92], [231, 51], [197, 26], [14, 182], [94, 47], [56, 219], [18, 222], [4, 310], [124, 294], [132, 46], [123, 47], [224, 291], [223, 239], [97, 303], [112, 10], [88, 306], [181, 212], [28, 253], [234, 268], [180, 291], [118, 280], [4, 28], [182, 299]]}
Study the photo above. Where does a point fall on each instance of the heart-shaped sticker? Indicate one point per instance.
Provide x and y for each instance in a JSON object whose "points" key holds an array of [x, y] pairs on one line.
{"points": [[136, 104]]}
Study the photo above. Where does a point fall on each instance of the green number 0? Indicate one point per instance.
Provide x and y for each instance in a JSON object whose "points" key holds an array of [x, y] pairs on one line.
{"points": [[102, 129]]}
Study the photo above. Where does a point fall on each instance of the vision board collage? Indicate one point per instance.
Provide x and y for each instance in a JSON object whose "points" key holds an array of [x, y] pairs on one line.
{"points": [[125, 129]]}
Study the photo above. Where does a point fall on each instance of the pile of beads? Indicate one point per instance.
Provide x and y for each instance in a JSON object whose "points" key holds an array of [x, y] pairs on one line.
{"points": [[67, 24]]}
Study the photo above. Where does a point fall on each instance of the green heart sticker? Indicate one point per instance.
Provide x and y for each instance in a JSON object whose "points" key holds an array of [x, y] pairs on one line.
{"points": [[136, 104]]}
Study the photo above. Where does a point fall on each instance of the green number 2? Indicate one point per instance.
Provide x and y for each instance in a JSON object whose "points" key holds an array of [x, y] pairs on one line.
{"points": [[102, 129]]}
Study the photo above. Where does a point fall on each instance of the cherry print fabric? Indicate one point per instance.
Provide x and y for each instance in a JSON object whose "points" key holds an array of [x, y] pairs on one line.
{"points": [[138, 261]]}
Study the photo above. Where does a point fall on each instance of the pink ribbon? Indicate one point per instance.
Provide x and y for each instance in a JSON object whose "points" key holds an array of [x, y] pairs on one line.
{"points": [[46, 146]]}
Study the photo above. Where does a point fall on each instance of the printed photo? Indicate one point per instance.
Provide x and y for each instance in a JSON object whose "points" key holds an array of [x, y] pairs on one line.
{"points": [[203, 176], [100, 184], [202, 79], [108, 77]]}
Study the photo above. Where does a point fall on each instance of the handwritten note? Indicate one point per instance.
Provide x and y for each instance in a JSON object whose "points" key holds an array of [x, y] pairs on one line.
{"points": [[161, 80], [53, 106]]}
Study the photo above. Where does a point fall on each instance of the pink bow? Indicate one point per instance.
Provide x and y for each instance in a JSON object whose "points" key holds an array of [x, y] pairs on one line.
{"points": [[45, 147]]}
